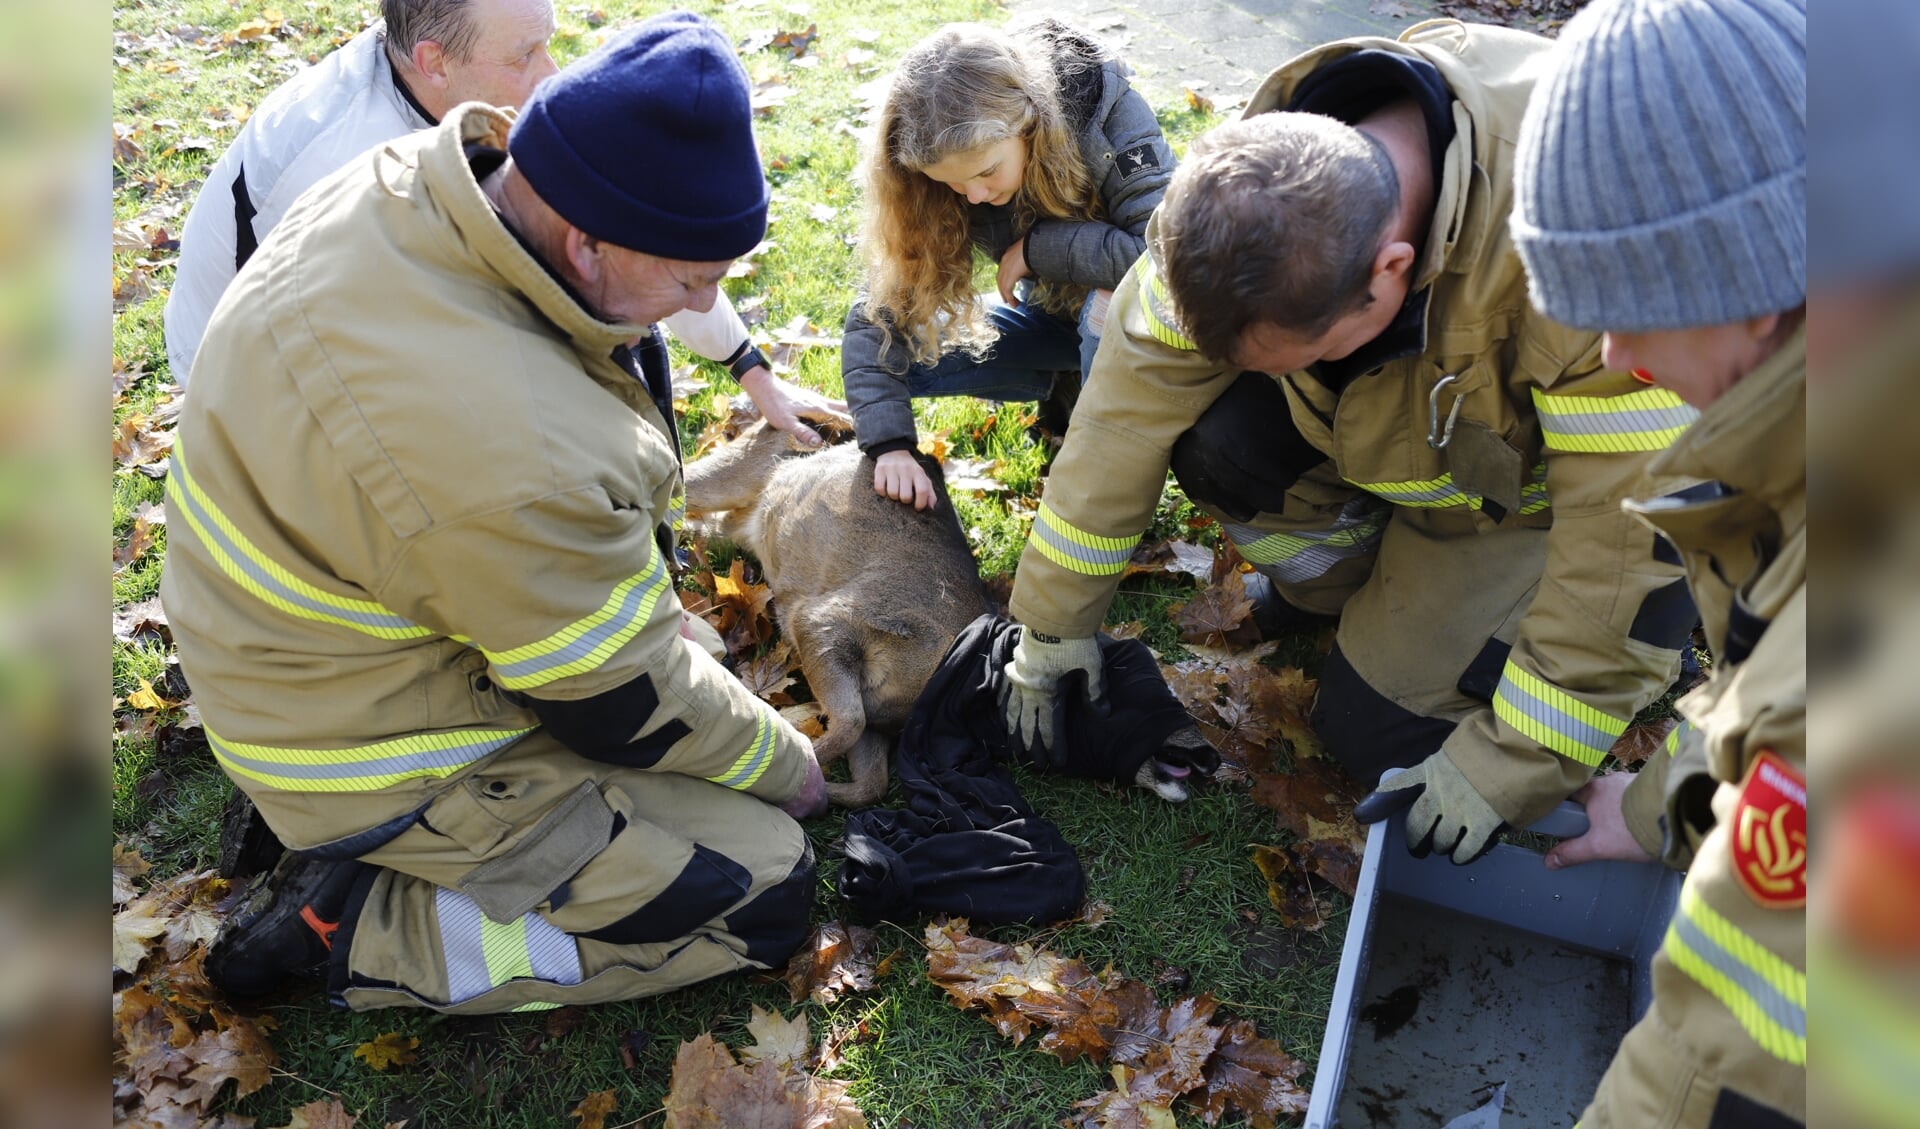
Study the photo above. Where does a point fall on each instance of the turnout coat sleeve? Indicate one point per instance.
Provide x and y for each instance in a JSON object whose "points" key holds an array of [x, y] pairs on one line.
{"points": [[1142, 394]]}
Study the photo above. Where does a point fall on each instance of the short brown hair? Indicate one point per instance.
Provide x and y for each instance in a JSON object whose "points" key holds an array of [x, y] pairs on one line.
{"points": [[1274, 218], [449, 23]]}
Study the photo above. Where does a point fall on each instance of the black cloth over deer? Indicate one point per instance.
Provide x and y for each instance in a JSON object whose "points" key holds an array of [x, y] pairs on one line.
{"points": [[967, 843]]}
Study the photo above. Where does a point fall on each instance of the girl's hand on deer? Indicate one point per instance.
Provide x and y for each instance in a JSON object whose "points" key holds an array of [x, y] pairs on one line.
{"points": [[897, 475], [1013, 268]]}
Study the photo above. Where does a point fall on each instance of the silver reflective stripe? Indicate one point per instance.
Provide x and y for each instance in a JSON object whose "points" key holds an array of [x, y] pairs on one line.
{"points": [[460, 921], [1533, 496], [482, 954], [229, 551], [1615, 421], [1309, 554], [636, 601], [1054, 538], [753, 763], [1784, 1013], [367, 767], [1554, 717]]}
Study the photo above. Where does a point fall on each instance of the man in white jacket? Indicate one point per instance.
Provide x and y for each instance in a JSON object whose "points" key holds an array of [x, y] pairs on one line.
{"points": [[402, 74]]}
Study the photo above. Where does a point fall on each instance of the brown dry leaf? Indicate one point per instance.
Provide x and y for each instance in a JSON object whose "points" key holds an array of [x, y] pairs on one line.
{"points": [[837, 958], [1285, 698], [239, 1054], [1289, 888], [769, 675], [1642, 741], [796, 42], [390, 1049], [134, 931], [200, 904], [782, 1042], [1021, 986], [1198, 102], [1251, 1076], [144, 618], [127, 866], [753, 625], [808, 718], [973, 474], [1315, 801], [135, 443], [1094, 914], [1133, 1103], [321, 1115], [1219, 615], [126, 151], [594, 1108], [711, 1091]]}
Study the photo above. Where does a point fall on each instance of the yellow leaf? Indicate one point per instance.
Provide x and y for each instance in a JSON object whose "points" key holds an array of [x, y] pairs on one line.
{"points": [[594, 1108], [146, 698], [391, 1049]]}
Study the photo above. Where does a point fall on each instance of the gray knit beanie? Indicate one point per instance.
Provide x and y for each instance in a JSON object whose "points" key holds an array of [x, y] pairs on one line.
{"points": [[1662, 170]]}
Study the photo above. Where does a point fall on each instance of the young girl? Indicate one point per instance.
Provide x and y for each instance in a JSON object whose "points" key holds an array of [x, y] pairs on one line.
{"points": [[1031, 146]]}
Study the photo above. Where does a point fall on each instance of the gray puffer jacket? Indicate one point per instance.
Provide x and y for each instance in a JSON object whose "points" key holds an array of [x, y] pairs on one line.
{"points": [[1129, 159]]}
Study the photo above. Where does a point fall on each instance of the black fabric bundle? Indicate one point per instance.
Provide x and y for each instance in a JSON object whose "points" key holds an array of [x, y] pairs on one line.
{"points": [[967, 843]]}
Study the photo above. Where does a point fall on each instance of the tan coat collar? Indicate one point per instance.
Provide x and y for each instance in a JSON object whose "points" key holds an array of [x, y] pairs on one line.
{"points": [[444, 168], [1754, 438]]}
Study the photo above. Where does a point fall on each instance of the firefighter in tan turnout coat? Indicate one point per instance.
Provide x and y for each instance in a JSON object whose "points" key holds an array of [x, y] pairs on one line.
{"points": [[420, 574], [1720, 210], [1330, 344]]}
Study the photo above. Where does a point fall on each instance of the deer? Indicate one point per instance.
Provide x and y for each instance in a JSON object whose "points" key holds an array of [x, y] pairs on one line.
{"points": [[871, 594]]}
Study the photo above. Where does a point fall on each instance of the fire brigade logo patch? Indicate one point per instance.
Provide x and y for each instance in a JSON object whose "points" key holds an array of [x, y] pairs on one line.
{"points": [[1136, 160], [1770, 834]]}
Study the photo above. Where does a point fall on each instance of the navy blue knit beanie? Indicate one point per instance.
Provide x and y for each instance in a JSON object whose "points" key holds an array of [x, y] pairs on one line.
{"points": [[647, 143]]}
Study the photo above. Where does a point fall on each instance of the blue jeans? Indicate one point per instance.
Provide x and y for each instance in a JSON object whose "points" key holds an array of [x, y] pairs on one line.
{"points": [[1032, 347]]}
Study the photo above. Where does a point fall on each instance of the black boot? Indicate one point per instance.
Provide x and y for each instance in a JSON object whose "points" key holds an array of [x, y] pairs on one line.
{"points": [[283, 927], [247, 845], [1272, 614]]}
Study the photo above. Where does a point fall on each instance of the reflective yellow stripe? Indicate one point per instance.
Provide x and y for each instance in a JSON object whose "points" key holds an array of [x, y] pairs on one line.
{"points": [[1432, 493], [265, 578], [1647, 420], [362, 768], [588, 642], [1161, 320], [1765, 993], [1675, 736], [1076, 549], [1554, 717], [1302, 556], [481, 954], [753, 763], [1533, 496], [1871, 1040]]}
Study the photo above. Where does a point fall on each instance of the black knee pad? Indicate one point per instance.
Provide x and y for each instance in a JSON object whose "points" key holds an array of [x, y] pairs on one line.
{"points": [[1366, 732], [774, 924], [1242, 454]]}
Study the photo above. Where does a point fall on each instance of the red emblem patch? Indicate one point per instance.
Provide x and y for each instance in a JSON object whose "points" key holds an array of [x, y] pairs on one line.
{"points": [[1770, 833]]}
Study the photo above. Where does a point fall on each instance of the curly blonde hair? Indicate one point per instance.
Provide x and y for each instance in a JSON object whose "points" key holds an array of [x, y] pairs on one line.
{"points": [[963, 87]]}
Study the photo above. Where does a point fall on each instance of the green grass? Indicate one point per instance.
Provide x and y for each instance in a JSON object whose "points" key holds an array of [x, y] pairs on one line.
{"points": [[1189, 910]]}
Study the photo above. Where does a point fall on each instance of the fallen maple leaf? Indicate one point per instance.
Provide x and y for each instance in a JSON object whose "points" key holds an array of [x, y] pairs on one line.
{"points": [[127, 866], [148, 699], [1219, 615], [135, 442], [711, 1091], [390, 1049], [321, 1115], [1253, 1076], [147, 617], [1642, 741], [835, 959], [1315, 801], [1133, 1103], [780, 1041], [769, 675], [594, 1108], [1289, 889]]}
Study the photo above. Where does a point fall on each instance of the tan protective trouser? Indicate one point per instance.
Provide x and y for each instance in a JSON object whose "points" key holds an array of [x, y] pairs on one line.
{"points": [[548, 879], [1420, 592], [1724, 1043]]}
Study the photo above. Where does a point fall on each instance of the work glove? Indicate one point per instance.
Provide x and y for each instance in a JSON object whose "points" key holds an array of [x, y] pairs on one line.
{"points": [[1039, 661], [1446, 812]]}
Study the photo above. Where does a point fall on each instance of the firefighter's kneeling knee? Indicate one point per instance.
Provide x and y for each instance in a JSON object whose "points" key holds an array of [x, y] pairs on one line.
{"points": [[1243, 453], [773, 924]]}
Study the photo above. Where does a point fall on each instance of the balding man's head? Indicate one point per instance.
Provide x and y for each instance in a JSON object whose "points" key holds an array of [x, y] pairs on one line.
{"points": [[454, 51]]}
